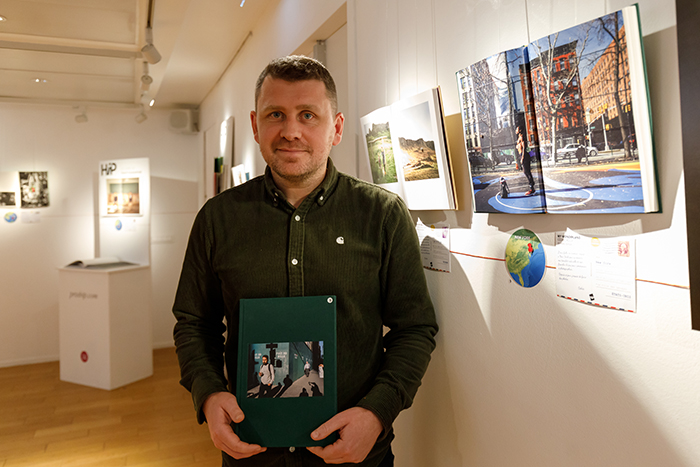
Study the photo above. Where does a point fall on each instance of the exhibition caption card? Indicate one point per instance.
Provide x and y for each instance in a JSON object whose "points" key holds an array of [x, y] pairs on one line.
{"points": [[435, 245], [598, 271]]}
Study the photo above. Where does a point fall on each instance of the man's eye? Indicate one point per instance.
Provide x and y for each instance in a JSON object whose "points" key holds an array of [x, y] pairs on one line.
{"points": [[276, 114], [307, 115]]}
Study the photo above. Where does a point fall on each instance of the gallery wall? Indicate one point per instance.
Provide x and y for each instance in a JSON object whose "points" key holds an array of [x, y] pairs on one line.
{"points": [[47, 138], [520, 376]]}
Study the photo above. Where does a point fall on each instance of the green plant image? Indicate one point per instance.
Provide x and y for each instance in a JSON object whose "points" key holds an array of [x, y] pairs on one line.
{"points": [[381, 154]]}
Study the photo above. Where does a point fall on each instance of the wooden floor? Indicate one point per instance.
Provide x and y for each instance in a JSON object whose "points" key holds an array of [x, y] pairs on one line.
{"points": [[48, 422]]}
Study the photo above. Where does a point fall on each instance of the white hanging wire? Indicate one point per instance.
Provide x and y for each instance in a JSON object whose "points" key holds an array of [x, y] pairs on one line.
{"points": [[435, 49]]}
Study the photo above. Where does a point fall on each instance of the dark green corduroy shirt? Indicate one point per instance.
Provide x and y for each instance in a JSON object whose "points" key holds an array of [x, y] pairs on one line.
{"points": [[348, 238]]}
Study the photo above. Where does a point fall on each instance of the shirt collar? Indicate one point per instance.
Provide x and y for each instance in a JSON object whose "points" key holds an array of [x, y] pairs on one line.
{"points": [[319, 195]]}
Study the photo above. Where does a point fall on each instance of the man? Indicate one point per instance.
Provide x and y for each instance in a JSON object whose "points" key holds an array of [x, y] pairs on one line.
{"points": [[267, 377], [304, 229], [524, 159]]}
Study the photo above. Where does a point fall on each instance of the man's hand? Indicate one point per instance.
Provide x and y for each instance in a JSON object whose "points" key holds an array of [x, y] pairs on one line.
{"points": [[220, 409], [358, 429]]}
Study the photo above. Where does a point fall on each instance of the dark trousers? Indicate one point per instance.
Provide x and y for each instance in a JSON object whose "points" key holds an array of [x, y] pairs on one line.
{"points": [[528, 172], [264, 390]]}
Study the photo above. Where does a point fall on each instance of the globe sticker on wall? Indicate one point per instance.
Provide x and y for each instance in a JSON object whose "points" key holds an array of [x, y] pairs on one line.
{"points": [[118, 225], [525, 258], [10, 217]]}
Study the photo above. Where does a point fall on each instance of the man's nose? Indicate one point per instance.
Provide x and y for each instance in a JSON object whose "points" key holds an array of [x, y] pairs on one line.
{"points": [[291, 129]]}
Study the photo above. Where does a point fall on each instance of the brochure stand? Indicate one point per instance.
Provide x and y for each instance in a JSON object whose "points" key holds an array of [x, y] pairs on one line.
{"points": [[105, 325]]}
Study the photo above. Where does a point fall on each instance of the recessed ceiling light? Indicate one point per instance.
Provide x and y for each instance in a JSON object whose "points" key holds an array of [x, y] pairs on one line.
{"points": [[153, 101], [242, 3], [40, 80], [2, 18]]}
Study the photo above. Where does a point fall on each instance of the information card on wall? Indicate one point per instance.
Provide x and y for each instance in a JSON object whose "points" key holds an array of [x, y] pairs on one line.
{"points": [[435, 245], [597, 271]]}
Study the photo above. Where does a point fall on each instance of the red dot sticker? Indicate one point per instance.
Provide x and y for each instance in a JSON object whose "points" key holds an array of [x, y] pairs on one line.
{"points": [[84, 356]]}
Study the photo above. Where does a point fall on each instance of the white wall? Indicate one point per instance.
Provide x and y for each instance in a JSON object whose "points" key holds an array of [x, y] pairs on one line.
{"points": [[46, 138], [520, 377]]}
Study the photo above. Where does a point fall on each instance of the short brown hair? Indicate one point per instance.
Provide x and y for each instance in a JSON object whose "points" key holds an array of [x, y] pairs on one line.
{"points": [[298, 68]]}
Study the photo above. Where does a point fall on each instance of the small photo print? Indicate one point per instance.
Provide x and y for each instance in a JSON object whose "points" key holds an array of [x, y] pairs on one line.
{"points": [[285, 369], [34, 187], [123, 196], [7, 198]]}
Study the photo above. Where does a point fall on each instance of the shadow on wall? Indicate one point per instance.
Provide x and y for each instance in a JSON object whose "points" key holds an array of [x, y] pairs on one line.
{"points": [[519, 384]]}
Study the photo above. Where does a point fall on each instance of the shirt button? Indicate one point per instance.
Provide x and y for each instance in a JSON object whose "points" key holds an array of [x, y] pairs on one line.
{"points": [[291, 449], [295, 262], [320, 198], [297, 218]]}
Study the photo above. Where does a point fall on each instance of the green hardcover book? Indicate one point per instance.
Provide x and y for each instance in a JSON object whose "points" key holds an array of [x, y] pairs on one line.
{"points": [[286, 381]]}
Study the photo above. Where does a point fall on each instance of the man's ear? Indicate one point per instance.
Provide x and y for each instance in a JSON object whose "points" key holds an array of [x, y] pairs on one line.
{"points": [[338, 126], [254, 125]]}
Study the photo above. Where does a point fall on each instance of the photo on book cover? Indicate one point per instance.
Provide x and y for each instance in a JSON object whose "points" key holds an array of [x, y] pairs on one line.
{"points": [[590, 138], [406, 147], [285, 369]]}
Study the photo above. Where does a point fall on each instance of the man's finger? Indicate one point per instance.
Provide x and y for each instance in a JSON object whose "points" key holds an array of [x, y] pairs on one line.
{"points": [[333, 424]]}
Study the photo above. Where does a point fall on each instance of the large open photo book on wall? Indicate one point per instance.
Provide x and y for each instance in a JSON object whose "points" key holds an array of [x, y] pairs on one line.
{"points": [[287, 367], [563, 125]]}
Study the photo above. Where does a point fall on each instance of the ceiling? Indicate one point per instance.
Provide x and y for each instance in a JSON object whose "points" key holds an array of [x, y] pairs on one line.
{"points": [[87, 53]]}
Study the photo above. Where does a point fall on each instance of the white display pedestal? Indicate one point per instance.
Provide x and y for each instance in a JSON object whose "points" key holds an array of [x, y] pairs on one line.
{"points": [[105, 325]]}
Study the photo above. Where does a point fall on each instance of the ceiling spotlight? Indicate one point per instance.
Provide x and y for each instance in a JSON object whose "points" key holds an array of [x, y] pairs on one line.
{"points": [[146, 79], [2, 18], [82, 117], [242, 3], [40, 80], [153, 101], [141, 117], [149, 51]]}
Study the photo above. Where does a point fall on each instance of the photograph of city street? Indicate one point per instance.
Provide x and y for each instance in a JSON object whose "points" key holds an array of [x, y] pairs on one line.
{"points": [[578, 98], [285, 369]]}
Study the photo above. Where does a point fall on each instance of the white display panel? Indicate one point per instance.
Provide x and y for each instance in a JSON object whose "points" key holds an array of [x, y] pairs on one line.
{"points": [[125, 209]]}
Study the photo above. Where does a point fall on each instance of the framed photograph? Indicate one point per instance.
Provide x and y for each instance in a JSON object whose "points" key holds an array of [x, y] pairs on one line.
{"points": [[123, 196], [34, 189]]}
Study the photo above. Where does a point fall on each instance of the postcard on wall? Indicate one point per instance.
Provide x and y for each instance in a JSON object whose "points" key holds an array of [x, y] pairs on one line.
{"points": [[34, 189], [123, 196], [597, 271], [579, 99], [406, 146], [435, 245]]}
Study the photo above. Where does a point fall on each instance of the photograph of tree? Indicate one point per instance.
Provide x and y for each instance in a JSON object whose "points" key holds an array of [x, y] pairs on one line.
{"points": [[381, 153], [579, 99], [407, 151]]}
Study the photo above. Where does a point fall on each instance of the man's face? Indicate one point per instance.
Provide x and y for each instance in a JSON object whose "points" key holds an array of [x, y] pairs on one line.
{"points": [[295, 127], [264, 359]]}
